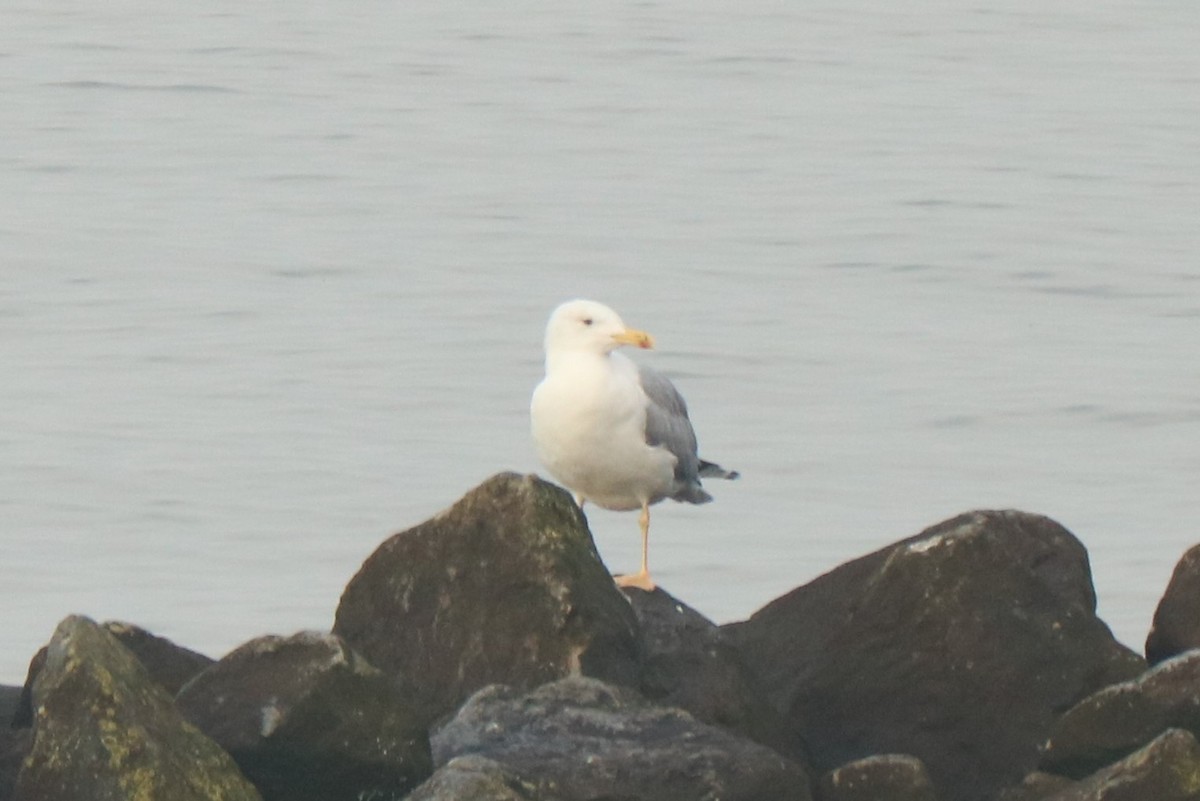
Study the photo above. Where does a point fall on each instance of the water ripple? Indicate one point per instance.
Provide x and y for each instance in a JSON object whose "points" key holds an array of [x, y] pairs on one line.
{"points": [[133, 87]]}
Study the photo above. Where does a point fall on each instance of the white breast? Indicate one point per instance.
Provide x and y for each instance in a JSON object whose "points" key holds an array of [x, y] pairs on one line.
{"points": [[589, 424]]}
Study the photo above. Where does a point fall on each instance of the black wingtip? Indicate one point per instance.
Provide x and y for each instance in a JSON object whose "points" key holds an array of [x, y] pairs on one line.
{"points": [[713, 470]]}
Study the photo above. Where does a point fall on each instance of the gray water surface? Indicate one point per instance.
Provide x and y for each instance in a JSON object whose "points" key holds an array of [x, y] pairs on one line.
{"points": [[273, 279]]}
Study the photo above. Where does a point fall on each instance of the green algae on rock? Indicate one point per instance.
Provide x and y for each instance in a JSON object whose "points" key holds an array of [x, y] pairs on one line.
{"points": [[104, 731]]}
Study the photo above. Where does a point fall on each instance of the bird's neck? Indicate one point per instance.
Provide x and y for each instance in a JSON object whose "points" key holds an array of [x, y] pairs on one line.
{"points": [[566, 361]]}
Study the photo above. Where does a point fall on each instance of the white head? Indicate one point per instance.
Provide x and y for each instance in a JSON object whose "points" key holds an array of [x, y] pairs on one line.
{"points": [[584, 325]]}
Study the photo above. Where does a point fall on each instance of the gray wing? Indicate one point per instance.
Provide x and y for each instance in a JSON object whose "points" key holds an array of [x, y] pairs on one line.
{"points": [[667, 424]]}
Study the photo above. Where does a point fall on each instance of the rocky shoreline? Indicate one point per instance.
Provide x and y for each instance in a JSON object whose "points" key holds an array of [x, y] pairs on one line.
{"points": [[487, 654]]}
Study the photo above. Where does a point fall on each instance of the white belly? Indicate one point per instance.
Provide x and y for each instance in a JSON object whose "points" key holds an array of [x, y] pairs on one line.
{"points": [[591, 437]]}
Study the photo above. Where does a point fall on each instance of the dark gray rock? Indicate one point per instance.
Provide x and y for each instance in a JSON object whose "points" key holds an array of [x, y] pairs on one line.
{"points": [[688, 663], [169, 664], [15, 745], [307, 719], [506, 586], [105, 731], [959, 645], [1121, 718], [582, 739], [22, 716], [1036, 787], [895, 777], [476, 778], [1167, 769], [10, 697], [1176, 625]]}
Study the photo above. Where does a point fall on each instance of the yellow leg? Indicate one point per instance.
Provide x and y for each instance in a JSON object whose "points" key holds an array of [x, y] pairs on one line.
{"points": [[641, 579]]}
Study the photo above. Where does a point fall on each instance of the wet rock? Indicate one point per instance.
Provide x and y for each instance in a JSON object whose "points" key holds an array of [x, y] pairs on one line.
{"points": [[169, 664], [1036, 787], [581, 739], [476, 778], [1176, 625], [1122, 718], [506, 586], [958, 645], [104, 731], [895, 777], [1167, 769], [689, 663], [307, 719]]}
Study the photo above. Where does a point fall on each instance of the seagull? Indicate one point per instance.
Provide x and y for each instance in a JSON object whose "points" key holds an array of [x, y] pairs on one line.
{"points": [[612, 432]]}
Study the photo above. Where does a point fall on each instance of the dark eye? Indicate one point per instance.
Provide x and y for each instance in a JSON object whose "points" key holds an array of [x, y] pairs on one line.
{"points": [[587, 320]]}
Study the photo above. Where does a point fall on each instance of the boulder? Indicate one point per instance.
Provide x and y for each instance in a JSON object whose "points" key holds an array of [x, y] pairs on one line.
{"points": [[10, 698], [1121, 718], [476, 778], [959, 646], [689, 663], [14, 747], [1176, 626], [582, 739], [105, 731], [307, 719], [1167, 769], [1036, 787], [896, 777], [505, 586], [169, 664]]}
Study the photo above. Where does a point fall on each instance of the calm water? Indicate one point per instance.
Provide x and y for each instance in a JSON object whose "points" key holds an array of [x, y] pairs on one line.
{"points": [[273, 280]]}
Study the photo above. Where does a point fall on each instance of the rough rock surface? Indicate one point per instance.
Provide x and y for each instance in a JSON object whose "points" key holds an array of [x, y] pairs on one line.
{"points": [[582, 739], [1035, 787], [896, 777], [1121, 718], [1176, 625], [476, 778], [958, 645], [307, 719], [104, 731], [689, 663], [1167, 769], [169, 664], [506, 586]]}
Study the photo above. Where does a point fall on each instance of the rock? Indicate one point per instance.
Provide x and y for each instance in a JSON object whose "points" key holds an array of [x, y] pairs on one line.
{"points": [[105, 731], [1121, 718], [476, 778], [1168, 769], [689, 663], [582, 739], [307, 719], [1036, 787], [9, 699], [506, 586], [22, 716], [895, 777], [169, 664], [14, 742], [14, 747], [958, 646], [1176, 625]]}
